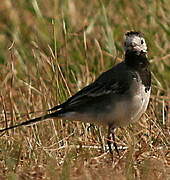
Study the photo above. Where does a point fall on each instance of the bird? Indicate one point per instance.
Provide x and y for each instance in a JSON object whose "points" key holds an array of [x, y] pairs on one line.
{"points": [[118, 97]]}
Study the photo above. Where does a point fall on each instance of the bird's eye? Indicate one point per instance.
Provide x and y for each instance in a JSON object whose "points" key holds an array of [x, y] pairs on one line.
{"points": [[142, 41]]}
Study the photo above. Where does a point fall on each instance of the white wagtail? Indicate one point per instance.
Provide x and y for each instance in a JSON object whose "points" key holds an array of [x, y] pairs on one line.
{"points": [[118, 97]]}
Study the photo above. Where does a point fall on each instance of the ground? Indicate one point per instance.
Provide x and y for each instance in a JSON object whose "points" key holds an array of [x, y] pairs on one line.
{"points": [[51, 49]]}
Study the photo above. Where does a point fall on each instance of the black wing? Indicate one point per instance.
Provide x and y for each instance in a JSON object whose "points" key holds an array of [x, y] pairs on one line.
{"points": [[114, 81]]}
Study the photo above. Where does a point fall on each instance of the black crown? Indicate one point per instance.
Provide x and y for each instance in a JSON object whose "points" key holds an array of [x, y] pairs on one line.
{"points": [[131, 33]]}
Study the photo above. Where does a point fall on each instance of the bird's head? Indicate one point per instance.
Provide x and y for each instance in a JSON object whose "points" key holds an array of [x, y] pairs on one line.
{"points": [[135, 42]]}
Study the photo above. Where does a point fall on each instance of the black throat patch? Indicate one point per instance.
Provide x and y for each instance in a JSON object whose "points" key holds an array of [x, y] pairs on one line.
{"points": [[140, 63]]}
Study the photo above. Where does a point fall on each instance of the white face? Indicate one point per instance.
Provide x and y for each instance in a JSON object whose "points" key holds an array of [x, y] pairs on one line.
{"points": [[135, 42]]}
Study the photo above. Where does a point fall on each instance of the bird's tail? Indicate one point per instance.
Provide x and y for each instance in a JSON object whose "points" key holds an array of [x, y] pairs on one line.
{"points": [[32, 121]]}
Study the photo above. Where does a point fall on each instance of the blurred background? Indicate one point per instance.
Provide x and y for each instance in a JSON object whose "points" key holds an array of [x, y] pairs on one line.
{"points": [[51, 49]]}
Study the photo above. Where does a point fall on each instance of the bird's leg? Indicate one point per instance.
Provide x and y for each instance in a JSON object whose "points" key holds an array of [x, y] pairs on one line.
{"points": [[91, 126], [114, 140], [111, 136]]}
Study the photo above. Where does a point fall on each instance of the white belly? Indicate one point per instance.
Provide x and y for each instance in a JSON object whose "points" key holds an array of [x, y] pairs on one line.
{"points": [[130, 110]]}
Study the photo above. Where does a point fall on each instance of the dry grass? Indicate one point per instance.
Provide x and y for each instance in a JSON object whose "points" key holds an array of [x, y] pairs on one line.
{"points": [[48, 51]]}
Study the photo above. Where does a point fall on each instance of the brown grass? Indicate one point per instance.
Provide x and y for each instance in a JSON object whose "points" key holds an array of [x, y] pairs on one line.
{"points": [[50, 50]]}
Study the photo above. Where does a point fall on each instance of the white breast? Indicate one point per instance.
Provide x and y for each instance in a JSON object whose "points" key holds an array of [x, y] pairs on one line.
{"points": [[128, 110], [141, 101]]}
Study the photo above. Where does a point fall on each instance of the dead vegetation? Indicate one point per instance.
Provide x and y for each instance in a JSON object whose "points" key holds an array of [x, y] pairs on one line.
{"points": [[50, 50]]}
